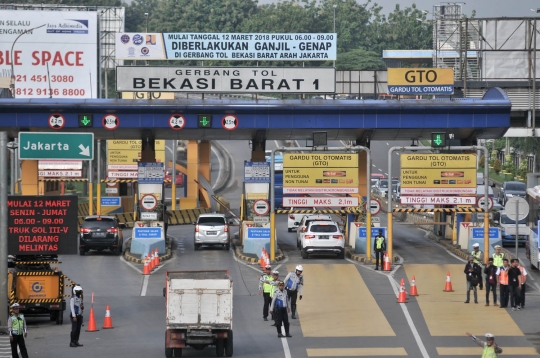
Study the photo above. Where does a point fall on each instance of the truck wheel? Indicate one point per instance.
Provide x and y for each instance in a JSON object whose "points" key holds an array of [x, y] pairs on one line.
{"points": [[220, 347], [168, 352], [178, 352], [52, 315], [229, 344]]}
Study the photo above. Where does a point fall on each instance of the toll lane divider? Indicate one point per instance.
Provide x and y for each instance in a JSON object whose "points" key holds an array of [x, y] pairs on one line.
{"points": [[138, 260], [349, 252], [238, 250]]}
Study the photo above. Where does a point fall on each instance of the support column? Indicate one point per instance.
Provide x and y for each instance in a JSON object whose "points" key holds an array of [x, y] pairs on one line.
{"points": [[192, 198], [30, 183], [148, 145], [205, 152], [362, 192], [258, 146]]}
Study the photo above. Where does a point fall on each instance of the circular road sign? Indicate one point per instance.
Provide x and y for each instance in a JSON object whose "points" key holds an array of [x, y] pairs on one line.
{"points": [[177, 122], [261, 207], [110, 122], [516, 208], [56, 121], [113, 184], [148, 202], [375, 206], [480, 202], [229, 122]]}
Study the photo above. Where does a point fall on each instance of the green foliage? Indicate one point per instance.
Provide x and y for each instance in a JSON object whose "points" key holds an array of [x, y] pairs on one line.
{"points": [[359, 60], [481, 163], [497, 166]]}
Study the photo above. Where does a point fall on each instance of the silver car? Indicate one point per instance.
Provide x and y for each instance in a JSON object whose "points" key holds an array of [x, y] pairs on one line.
{"points": [[212, 229]]}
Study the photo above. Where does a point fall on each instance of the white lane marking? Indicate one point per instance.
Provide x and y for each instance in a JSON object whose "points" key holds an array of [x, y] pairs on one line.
{"points": [[387, 144], [144, 285], [447, 251], [285, 344], [380, 170], [244, 263], [386, 174], [283, 262], [414, 331], [130, 264], [374, 166], [537, 286]]}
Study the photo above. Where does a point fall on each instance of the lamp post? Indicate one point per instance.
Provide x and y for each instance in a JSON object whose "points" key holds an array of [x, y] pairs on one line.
{"points": [[12, 85]]}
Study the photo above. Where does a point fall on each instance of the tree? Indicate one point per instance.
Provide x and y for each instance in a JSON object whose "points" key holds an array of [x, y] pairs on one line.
{"points": [[497, 166], [359, 60]]}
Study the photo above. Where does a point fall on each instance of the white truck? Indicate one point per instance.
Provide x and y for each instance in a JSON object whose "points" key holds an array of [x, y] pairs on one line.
{"points": [[199, 311]]}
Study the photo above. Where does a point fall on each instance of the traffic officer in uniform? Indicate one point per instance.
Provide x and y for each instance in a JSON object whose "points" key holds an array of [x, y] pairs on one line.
{"points": [[275, 276], [17, 332], [76, 305], [266, 288], [498, 257], [491, 349], [280, 305], [379, 246], [478, 259], [294, 283]]}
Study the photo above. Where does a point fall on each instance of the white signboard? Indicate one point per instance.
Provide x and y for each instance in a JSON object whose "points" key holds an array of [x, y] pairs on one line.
{"points": [[148, 202], [437, 191], [148, 216], [480, 202], [442, 200], [226, 79], [58, 59], [375, 207], [60, 173], [60, 164], [132, 167], [226, 46], [123, 175], [312, 202], [111, 190], [261, 207], [318, 190]]}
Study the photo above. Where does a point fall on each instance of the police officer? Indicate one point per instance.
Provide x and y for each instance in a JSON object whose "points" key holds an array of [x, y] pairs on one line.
{"points": [[266, 288], [379, 246], [294, 283], [478, 259], [280, 305], [275, 276], [491, 349], [498, 257], [17, 332], [76, 305]]}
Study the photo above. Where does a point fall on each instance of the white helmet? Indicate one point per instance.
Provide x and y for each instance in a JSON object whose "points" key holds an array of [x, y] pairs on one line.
{"points": [[275, 272], [76, 289], [489, 335], [299, 268], [15, 305]]}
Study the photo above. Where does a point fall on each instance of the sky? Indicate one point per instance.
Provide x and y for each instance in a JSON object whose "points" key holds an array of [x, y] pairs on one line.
{"points": [[484, 8]]}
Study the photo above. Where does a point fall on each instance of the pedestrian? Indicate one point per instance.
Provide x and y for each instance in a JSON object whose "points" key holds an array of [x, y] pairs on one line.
{"points": [[379, 246], [502, 280], [491, 349], [294, 283], [523, 285], [17, 332], [498, 257], [491, 281], [274, 283], [479, 260], [472, 272], [265, 289], [514, 284], [280, 305], [76, 305]]}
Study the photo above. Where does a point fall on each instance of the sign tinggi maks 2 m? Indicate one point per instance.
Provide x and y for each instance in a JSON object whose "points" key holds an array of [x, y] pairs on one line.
{"points": [[42, 225], [226, 79], [226, 46], [320, 173]]}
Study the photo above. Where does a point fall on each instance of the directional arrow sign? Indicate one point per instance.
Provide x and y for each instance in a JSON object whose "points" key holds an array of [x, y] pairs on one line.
{"points": [[45, 145]]}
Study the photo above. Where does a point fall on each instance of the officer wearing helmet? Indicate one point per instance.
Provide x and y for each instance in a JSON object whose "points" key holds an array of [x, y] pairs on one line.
{"points": [[478, 259], [77, 307], [17, 332], [294, 284], [491, 349]]}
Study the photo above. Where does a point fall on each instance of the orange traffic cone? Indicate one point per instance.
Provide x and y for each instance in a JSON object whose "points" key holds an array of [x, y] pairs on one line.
{"points": [[262, 259], [266, 257], [146, 269], [413, 291], [156, 258], [402, 297], [107, 322], [386, 263], [151, 261], [92, 322], [448, 286]]}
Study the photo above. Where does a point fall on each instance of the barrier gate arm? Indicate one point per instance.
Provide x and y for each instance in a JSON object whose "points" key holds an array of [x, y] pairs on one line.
{"points": [[220, 202], [486, 181], [353, 149]]}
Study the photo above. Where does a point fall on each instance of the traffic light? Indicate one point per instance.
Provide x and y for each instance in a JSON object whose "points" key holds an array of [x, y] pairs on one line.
{"points": [[205, 121], [438, 140], [86, 120]]}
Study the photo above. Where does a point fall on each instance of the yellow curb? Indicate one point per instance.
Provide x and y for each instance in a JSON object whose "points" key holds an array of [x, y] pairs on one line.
{"points": [[129, 257]]}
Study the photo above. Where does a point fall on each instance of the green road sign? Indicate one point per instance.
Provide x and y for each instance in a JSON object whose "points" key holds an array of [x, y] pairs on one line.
{"points": [[438, 140], [205, 121], [44, 145]]}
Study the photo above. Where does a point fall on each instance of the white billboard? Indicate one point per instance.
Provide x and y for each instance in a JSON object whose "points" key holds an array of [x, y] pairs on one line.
{"points": [[226, 79], [56, 60], [226, 46]]}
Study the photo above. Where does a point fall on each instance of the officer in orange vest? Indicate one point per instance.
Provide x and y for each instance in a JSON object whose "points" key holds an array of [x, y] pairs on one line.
{"points": [[502, 278]]}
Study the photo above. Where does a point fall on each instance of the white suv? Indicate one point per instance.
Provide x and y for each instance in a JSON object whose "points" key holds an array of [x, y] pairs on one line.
{"points": [[293, 220], [323, 237], [303, 224]]}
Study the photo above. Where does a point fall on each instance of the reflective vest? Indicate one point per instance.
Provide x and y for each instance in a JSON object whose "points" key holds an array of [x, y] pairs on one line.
{"points": [[498, 259], [379, 242], [17, 324], [267, 287], [274, 289], [489, 352], [503, 275], [476, 255]]}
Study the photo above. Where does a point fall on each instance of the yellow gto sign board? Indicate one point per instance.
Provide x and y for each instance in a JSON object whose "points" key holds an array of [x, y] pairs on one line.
{"points": [[419, 81], [127, 151], [424, 161], [320, 173], [434, 178]]}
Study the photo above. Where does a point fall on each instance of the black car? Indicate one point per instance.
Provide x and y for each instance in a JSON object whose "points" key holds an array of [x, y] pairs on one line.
{"points": [[510, 189], [101, 233]]}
